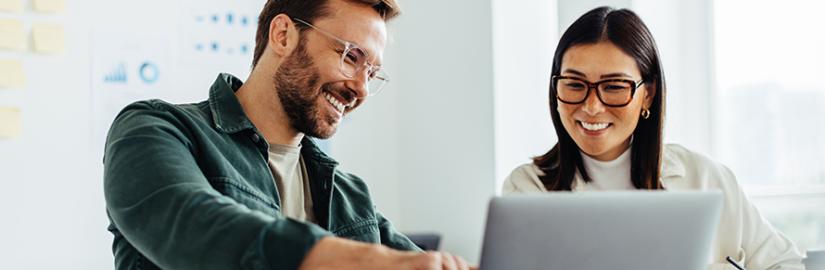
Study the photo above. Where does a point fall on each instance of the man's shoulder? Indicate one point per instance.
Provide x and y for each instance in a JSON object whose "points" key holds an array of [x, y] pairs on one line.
{"points": [[350, 182], [162, 108], [155, 112], [157, 118]]}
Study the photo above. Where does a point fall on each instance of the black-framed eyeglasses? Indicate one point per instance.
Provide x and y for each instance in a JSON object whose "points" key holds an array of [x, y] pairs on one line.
{"points": [[354, 60], [611, 92]]}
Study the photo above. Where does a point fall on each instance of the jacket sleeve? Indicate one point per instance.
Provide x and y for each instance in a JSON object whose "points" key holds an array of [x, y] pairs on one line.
{"points": [[164, 206], [392, 238], [763, 246]]}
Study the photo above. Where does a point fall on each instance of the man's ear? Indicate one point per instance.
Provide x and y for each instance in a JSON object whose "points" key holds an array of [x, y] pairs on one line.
{"points": [[283, 36]]}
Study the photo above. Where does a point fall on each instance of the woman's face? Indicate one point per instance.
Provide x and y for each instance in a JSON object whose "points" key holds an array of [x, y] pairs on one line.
{"points": [[600, 131]]}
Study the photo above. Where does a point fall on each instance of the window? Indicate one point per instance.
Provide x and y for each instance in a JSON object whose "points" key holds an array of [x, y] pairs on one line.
{"points": [[770, 109]]}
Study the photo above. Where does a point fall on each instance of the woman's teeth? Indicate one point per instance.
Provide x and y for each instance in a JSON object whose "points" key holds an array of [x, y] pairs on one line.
{"points": [[338, 105], [594, 126]]}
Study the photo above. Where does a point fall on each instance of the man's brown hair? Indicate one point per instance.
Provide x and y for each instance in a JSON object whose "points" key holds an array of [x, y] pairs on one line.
{"points": [[308, 10]]}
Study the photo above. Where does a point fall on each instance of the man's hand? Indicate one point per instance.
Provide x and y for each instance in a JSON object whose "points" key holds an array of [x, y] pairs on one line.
{"points": [[338, 253]]}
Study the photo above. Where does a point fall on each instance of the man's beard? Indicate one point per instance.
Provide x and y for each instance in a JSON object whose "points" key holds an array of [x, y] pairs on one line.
{"points": [[295, 81]]}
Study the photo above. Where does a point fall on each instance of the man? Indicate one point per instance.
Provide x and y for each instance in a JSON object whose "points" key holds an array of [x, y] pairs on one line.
{"points": [[234, 182]]}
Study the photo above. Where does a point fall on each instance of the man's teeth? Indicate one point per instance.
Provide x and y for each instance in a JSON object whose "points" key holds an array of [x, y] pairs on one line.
{"points": [[338, 105], [594, 126]]}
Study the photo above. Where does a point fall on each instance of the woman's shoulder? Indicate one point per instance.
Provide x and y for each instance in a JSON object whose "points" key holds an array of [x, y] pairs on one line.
{"points": [[678, 152], [523, 179], [681, 164], [675, 154]]}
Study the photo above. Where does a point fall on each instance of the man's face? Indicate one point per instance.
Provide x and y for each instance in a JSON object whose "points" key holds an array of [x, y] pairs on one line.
{"points": [[313, 91]]}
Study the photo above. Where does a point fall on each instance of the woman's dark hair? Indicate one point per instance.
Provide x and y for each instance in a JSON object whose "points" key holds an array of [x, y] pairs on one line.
{"points": [[626, 30]]}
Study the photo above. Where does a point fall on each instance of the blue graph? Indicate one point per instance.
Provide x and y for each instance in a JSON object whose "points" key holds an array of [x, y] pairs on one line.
{"points": [[148, 72], [117, 75]]}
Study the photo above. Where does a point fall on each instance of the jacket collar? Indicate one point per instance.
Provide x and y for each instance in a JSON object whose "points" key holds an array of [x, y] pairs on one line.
{"points": [[227, 114], [672, 166], [310, 150]]}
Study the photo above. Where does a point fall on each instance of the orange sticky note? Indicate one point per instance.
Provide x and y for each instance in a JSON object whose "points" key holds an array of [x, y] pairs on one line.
{"points": [[48, 38], [10, 123]]}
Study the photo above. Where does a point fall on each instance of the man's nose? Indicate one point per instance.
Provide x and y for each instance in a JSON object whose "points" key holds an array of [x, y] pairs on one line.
{"points": [[358, 83]]}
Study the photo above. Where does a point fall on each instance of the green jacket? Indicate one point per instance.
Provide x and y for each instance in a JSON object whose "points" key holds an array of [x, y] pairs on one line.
{"points": [[188, 187]]}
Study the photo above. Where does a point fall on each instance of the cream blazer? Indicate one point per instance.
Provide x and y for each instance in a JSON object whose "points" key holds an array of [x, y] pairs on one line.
{"points": [[743, 233]]}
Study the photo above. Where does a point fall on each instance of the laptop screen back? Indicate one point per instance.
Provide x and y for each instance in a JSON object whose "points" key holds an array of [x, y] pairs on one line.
{"points": [[601, 230]]}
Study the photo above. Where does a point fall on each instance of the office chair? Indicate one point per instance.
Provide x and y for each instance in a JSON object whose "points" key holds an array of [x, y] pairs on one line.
{"points": [[426, 241], [815, 260]]}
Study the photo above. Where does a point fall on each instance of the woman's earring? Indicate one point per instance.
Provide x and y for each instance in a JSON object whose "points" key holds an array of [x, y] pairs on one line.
{"points": [[645, 113]]}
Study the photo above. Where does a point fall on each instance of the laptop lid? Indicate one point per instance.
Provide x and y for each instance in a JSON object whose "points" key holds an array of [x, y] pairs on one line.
{"points": [[601, 230]]}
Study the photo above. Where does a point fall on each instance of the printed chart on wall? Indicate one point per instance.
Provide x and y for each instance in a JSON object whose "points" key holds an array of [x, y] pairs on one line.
{"points": [[217, 36], [174, 57]]}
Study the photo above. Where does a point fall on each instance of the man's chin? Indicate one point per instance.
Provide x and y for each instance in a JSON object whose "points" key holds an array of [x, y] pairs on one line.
{"points": [[323, 136], [323, 133]]}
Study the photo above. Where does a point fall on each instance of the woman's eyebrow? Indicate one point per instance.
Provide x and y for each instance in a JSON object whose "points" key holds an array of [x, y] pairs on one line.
{"points": [[575, 72], [605, 76], [616, 74]]}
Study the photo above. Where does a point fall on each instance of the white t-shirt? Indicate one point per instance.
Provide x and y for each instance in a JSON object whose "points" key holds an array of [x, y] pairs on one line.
{"points": [[609, 175], [292, 181]]}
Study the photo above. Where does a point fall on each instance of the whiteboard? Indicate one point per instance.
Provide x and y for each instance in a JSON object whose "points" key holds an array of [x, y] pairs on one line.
{"points": [[116, 52]]}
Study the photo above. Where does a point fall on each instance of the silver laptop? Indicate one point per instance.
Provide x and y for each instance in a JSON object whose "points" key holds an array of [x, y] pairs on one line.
{"points": [[635, 230]]}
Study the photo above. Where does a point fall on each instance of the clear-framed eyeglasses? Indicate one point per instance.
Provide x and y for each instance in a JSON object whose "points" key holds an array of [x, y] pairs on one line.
{"points": [[611, 92], [354, 60]]}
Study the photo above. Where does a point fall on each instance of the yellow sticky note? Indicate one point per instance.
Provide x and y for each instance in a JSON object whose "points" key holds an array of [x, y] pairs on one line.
{"points": [[49, 6], [11, 74], [12, 36], [11, 5], [48, 38], [10, 123]]}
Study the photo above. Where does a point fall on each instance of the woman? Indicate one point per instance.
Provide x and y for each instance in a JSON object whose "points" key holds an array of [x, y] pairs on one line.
{"points": [[607, 98]]}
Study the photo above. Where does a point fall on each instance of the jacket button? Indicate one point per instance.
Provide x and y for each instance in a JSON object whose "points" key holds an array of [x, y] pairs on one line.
{"points": [[256, 138]]}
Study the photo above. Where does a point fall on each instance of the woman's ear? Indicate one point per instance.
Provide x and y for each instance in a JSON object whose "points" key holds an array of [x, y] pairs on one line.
{"points": [[283, 35], [650, 93]]}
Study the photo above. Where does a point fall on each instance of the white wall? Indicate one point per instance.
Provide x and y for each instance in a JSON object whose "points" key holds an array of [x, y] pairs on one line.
{"points": [[684, 34], [52, 204], [446, 119], [524, 41], [570, 10]]}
